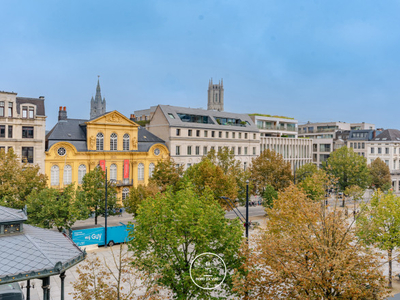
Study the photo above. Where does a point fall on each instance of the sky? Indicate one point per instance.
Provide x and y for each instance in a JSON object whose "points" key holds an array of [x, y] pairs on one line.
{"points": [[312, 60]]}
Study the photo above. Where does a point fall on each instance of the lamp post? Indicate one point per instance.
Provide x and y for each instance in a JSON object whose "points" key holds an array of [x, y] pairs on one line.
{"points": [[106, 212]]}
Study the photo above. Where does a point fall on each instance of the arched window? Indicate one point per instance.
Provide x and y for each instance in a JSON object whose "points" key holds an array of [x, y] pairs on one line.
{"points": [[125, 193], [81, 173], [141, 171], [100, 141], [151, 169], [113, 172], [113, 141], [55, 175], [125, 144], [67, 174]]}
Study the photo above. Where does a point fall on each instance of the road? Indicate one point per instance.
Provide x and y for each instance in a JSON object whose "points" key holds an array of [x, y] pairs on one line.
{"points": [[254, 211]]}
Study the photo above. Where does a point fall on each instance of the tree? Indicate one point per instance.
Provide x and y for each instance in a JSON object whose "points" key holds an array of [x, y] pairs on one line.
{"points": [[356, 193], [305, 171], [139, 194], [166, 173], [18, 180], [315, 185], [92, 192], [380, 175], [348, 167], [98, 280], [308, 252], [54, 208], [379, 224], [173, 228], [269, 196], [270, 168]]}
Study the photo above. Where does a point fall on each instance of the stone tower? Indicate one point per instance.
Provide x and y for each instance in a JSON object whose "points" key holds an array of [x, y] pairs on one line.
{"points": [[215, 96], [97, 106]]}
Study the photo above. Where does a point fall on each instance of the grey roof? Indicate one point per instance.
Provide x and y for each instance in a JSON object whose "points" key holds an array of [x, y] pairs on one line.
{"points": [[388, 135], [9, 215], [36, 250], [39, 102], [177, 122]]}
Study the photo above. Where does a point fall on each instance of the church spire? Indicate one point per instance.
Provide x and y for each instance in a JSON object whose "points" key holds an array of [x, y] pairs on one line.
{"points": [[98, 105]]}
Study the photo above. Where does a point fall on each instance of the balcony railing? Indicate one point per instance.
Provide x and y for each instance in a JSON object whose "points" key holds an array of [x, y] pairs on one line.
{"points": [[276, 128], [124, 182]]}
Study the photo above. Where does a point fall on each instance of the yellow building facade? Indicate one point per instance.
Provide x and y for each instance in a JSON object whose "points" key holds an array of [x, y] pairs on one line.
{"points": [[128, 151]]}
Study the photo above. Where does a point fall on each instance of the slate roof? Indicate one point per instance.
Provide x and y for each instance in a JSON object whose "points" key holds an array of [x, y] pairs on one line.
{"points": [[388, 135], [36, 101], [8, 215], [177, 122], [36, 250]]}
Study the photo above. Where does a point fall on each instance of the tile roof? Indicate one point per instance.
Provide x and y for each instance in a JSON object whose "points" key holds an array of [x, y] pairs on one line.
{"points": [[388, 135]]}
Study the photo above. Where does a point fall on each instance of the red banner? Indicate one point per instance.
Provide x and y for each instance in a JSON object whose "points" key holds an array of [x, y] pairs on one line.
{"points": [[103, 165], [126, 168]]}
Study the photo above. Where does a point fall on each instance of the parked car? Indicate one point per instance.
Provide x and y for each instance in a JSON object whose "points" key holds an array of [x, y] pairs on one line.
{"points": [[11, 291]]}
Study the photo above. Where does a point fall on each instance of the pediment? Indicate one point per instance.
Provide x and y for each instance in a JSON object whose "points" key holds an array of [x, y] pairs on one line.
{"points": [[113, 117]]}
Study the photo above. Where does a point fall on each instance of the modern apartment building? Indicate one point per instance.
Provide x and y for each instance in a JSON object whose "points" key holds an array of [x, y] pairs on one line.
{"points": [[23, 127], [280, 134], [190, 133]]}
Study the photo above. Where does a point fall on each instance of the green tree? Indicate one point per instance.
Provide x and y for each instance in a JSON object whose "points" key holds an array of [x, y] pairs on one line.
{"points": [[315, 186], [380, 175], [269, 195], [270, 168], [18, 180], [55, 208], [305, 171], [166, 173], [349, 168], [92, 192], [173, 228], [379, 224], [139, 194]]}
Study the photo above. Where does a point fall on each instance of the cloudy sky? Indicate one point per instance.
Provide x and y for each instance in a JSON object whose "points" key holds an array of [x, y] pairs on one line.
{"points": [[313, 60]]}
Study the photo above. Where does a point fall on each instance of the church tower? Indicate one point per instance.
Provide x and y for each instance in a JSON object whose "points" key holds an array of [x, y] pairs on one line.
{"points": [[97, 106], [215, 96]]}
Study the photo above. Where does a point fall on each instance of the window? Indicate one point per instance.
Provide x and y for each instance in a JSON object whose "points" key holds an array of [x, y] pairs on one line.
{"points": [[81, 173], [205, 150], [325, 147], [55, 175], [363, 145], [359, 146], [245, 135], [355, 145], [197, 150], [178, 132], [254, 136], [27, 132], [31, 112], [113, 172], [219, 149], [1, 108], [387, 162], [239, 150], [125, 193], [9, 148], [189, 150], [240, 135], [315, 147], [171, 116], [245, 150], [113, 141], [205, 133], [379, 150], [27, 154], [227, 135], [351, 145], [220, 134], [233, 135], [372, 150], [198, 133], [10, 131], [67, 174], [24, 111], [99, 141], [254, 150], [178, 150], [141, 171], [190, 132], [125, 142], [151, 169], [386, 150], [2, 131], [212, 133], [233, 150], [10, 109], [245, 165]]}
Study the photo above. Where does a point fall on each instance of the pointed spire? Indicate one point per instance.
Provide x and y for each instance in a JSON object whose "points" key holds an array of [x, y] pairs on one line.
{"points": [[222, 82], [98, 91]]}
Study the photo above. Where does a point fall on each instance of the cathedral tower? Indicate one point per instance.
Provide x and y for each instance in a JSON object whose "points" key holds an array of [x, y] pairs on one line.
{"points": [[97, 106], [215, 96]]}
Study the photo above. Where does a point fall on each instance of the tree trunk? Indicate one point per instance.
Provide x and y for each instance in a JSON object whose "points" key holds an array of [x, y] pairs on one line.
{"points": [[95, 216], [390, 267]]}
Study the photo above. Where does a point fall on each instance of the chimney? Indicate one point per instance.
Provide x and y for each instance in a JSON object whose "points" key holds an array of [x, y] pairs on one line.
{"points": [[41, 97], [132, 118], [62, 113]]}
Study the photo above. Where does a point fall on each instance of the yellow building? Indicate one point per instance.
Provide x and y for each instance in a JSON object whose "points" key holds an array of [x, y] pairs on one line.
{"points": [[128, 151]]}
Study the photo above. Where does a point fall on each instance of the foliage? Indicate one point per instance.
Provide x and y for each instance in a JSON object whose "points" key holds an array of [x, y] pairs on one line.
{"points": [[137, 195], [348, 167], [270, 168], [166, 173], [55, 208], [263, 115], [307, 252], [379, 224], [380, 175], [92, 192], [98, 280], [315, 186], [18, 180], [269, 195], [355, 192], [305, 171], [173, 228]]}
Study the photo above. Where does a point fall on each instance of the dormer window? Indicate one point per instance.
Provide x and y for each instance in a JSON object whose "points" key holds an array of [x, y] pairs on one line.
{"points": [[12, 228], [24, 112], [31, 111]]}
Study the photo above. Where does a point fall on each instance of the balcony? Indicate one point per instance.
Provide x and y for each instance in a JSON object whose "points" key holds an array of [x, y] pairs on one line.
{"points": [[281, 128], [124, 182]]}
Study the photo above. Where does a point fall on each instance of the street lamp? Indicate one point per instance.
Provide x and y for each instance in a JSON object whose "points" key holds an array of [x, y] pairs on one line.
{"points": [[106, 211]]}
